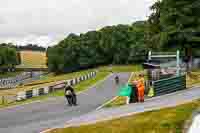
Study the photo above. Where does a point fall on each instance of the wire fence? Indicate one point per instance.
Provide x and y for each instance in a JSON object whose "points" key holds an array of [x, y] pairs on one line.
{"points": [[14, 81]]}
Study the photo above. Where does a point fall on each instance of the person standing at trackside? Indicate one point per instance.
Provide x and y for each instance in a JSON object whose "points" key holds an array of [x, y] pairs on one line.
{"points": [[140, 88], [70, 95]]}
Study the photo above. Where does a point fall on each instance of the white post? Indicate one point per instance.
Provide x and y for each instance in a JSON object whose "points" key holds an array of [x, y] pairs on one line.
{"points": [[178, 62], [149, 56], [127, 100]]}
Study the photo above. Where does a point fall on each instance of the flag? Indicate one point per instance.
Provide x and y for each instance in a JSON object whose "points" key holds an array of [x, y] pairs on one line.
{"points": [[125, 90]]}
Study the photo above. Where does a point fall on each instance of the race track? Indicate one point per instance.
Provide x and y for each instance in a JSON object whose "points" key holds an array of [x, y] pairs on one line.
{"points": [[36, 117]]}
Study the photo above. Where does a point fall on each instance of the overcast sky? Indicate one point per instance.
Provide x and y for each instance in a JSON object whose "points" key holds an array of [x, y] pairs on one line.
{"points": [[46, 22]]}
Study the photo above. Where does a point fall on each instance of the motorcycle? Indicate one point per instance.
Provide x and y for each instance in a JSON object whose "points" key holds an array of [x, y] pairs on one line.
{"points": [[117, 80]]}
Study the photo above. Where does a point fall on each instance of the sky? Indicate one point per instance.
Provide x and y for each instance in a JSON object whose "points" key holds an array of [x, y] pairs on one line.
{"points": [[46, 22]]}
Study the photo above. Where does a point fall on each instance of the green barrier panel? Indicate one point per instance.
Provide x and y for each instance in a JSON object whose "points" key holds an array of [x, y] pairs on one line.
{"points": [[125, 91], [173, 79], [169, 85], [172, 89]]}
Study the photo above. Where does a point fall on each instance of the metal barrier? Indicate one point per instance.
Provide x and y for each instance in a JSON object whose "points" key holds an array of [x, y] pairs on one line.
{"points": [[169, 85]]}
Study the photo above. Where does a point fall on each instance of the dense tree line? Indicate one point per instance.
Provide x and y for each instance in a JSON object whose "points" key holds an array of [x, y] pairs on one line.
{"points": [[176, 24], [8, 56], [32, 47], [121, 44], [173, 24]]}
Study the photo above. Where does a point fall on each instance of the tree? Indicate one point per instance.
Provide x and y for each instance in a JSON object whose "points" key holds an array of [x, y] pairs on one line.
{"points": [[109, 45], [8, 56], [177, 25]]}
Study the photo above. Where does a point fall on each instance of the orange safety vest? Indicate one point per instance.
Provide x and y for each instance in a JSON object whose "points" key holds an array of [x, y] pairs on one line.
{"points": [[140, 84]]}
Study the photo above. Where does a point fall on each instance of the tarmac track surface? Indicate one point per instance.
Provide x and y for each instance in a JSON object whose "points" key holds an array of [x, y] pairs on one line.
{"points": [[156, 103], [36, 117]]}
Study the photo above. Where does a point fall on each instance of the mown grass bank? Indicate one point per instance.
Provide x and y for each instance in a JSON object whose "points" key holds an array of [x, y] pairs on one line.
{"points": [[193, 78], [121, 68], [9, 74], [168, 120]]}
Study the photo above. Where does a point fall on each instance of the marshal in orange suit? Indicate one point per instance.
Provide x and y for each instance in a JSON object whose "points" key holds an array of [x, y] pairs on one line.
{"points": [[140, 88]]}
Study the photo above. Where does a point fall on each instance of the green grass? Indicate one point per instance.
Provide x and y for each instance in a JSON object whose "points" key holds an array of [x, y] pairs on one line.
{"points": [[193, 78], [119, 101], [80, 87], [9, 74], [84, 84], [87, 83], [121, 68], [168, 120]]}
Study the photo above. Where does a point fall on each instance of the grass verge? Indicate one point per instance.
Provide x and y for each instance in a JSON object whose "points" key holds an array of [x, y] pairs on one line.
{"points": [[80, 87], [9, 74], [193, 78], [168, 120], [121, 68]]}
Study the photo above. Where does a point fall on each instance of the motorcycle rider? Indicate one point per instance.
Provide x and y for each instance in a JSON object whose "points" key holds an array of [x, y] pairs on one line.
{"points": [[70, 95]]}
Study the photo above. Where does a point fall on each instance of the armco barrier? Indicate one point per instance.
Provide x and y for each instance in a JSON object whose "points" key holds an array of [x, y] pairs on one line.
{"points": [[169, 85], [49, 89]]}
